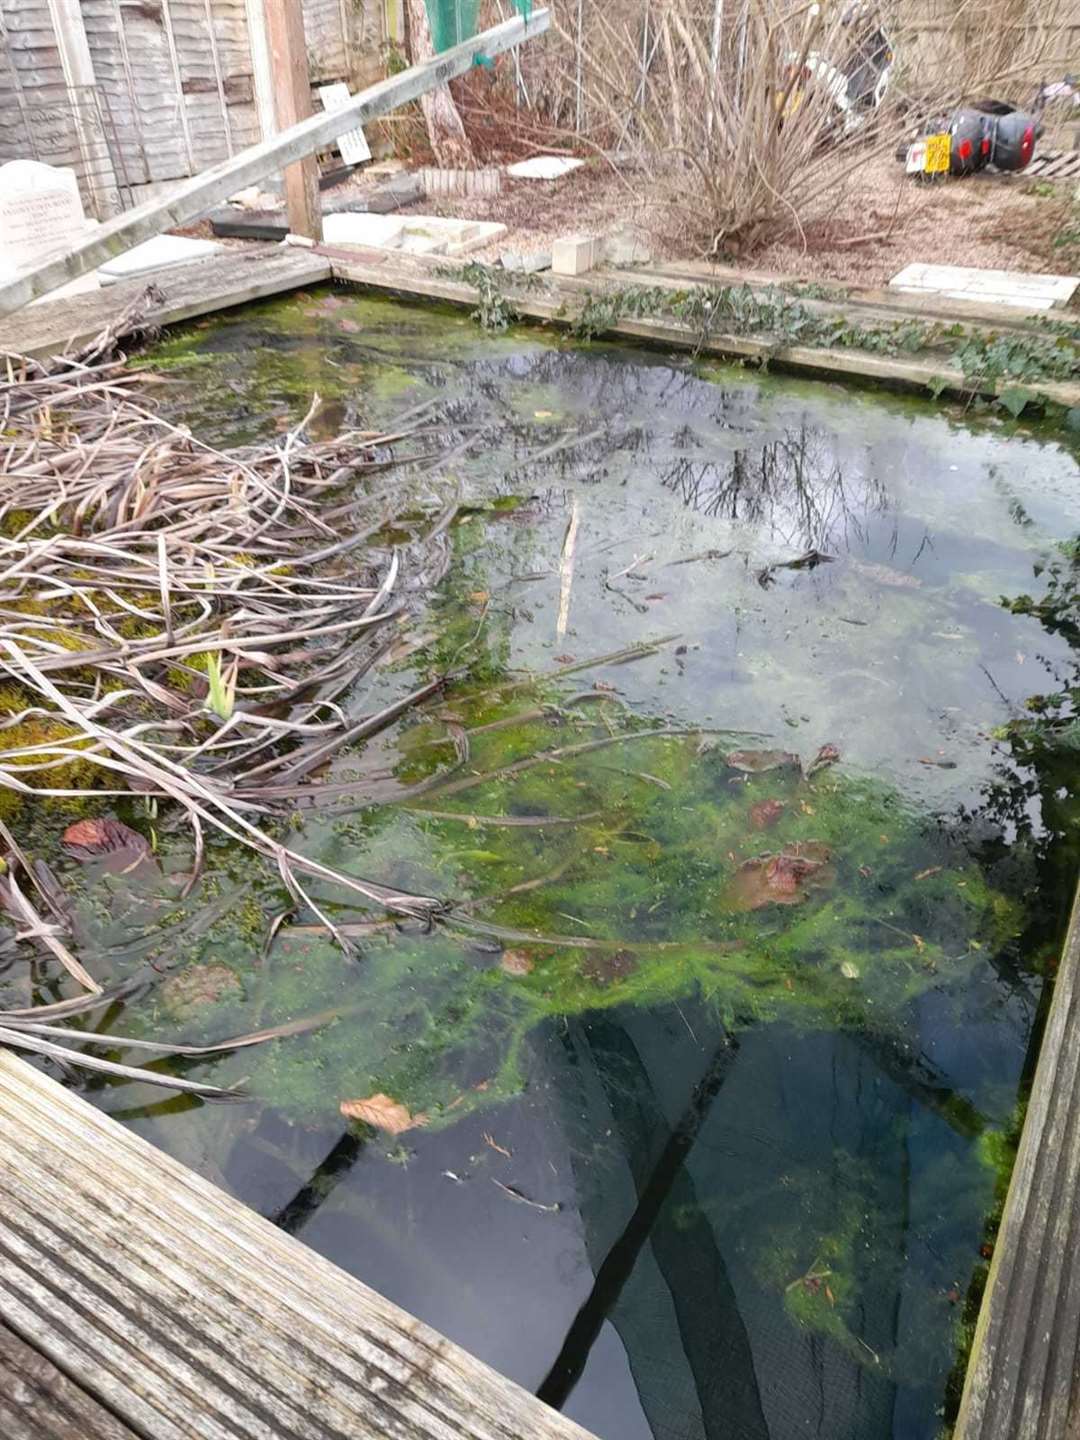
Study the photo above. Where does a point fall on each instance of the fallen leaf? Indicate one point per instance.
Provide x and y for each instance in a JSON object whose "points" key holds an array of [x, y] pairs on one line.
{"points": [[603, 685], [490, 1140], [756, 762], [655, 597], [121, 847], [766, 813], [565, 659], [516, 962], [382, 1113], [606, 967], [920, 943], [479, 597], [784, 879], [829, 1295], [925, 874], [827, 755], [543, 414], [849, 970]]}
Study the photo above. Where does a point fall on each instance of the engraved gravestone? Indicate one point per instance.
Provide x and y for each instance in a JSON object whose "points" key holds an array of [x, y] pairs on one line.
{"points": [[41, 215]]}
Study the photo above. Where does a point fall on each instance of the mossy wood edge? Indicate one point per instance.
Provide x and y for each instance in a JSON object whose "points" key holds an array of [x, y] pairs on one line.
{"points": [[185, 1313], [1024, 1370], [560, 300], [188, 291]]}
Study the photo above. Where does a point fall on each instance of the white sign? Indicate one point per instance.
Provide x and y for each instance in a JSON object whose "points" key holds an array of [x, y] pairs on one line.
{"points": [[353, 144]]}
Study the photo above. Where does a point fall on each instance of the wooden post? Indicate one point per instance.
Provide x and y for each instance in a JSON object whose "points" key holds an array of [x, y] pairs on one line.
{"points": [[292, 100]]}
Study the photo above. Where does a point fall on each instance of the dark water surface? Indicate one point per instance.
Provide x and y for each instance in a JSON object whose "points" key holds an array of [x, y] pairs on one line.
{"points": [[713, 1152]]}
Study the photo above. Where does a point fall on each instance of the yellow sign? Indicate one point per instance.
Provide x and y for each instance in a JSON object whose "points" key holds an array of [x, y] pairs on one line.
{"points": [[937, 154]]}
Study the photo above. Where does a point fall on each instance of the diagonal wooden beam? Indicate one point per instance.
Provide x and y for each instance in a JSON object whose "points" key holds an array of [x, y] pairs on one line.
{"points": [[189, 199]]}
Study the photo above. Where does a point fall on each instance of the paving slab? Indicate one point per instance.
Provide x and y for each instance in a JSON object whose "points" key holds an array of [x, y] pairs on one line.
{"points": [[160, 253], [1004, 287]]}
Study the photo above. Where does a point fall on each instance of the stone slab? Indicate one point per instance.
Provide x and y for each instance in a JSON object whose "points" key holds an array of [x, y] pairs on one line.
{"points": [[1003, 287], [519, 262], [544, 167], [417, 234], [160, 253]]}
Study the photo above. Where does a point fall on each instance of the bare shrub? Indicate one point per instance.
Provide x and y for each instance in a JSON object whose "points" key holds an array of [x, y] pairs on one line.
{"points": [[707, 107]]}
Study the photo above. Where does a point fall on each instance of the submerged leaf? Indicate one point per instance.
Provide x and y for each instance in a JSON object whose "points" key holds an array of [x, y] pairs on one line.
{"points": [[784, 879], [756, 762], [766, 813], [121, 846], [516, 962], [827, 755], [382, 1113]]}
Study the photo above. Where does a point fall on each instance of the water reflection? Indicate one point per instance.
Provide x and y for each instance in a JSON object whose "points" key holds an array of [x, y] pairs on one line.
{"points": [[715, 1219]]}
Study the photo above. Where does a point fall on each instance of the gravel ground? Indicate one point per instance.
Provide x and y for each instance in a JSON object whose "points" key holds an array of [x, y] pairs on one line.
{"points": [[882, 221]]}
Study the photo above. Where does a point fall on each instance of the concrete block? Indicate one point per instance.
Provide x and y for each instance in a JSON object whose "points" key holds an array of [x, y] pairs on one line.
{"points": [[483, 233], [349, 228], [574, 254]]}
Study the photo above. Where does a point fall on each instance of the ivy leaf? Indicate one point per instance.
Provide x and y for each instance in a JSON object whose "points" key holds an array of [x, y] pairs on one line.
{"points": [[1014, 398]]}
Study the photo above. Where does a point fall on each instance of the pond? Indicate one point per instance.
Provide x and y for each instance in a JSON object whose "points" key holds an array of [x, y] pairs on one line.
{"points": [[695, 1115]]}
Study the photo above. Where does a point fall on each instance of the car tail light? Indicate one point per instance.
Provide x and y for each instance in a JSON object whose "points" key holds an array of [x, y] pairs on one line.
{"points": [[1027, 145], [963, 150]]}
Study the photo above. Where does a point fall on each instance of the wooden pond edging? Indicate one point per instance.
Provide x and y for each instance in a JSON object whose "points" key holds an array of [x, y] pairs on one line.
{"points": [[232, 278], [187, 1316], [1023, 1379], [557, 299]]}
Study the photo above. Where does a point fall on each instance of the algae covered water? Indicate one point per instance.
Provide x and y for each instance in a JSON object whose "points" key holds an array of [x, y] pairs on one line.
{"points": [[695, 1113]]}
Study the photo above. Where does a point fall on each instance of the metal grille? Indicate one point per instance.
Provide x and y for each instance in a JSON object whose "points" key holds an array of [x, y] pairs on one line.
{"points": [[71, 126]]}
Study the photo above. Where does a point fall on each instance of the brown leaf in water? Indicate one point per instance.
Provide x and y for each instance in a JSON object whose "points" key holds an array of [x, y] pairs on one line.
{"points": [[121, 846], [382, 1113], [756, 762], [784, 879], [766, 813], [607, 967], [516, 962], [827, 755]]}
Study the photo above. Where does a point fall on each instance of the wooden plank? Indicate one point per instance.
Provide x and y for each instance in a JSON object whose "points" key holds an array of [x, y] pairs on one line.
{"points": [[38, 1402], [191, 198], [189, 290], [284, 21], [557, 300], [187, 1314], [1024, 1374]]}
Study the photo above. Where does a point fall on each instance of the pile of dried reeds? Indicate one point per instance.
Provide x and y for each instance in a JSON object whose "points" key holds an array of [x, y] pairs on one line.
{"points": [[190, 624]]}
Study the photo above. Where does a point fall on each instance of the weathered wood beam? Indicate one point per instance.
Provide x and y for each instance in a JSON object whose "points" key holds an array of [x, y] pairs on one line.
{"points": [[191, 198], [184, 1314]]}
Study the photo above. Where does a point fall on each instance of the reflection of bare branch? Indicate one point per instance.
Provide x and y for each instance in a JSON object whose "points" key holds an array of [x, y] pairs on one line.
{"points": [[793, 487]]}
